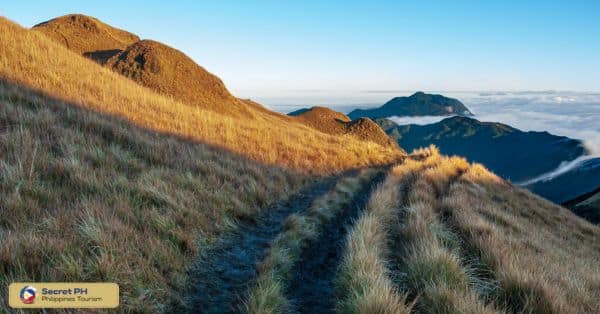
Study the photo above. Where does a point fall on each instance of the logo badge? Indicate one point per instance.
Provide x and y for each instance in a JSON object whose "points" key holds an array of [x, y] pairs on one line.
{"points": [[27, 295]]}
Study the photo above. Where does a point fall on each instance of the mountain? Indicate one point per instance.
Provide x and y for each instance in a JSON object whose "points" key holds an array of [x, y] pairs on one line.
{"points": [[87, 36], [189, 209], [509, 152], [572, 184], [103, 179], [172, 73], [152, 64], [418, 104], [586, 206], [337, 123], [37, 61]]}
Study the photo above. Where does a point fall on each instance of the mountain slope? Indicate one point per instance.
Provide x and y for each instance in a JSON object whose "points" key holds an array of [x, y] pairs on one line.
{"points": [[586, 206], [509, 152], [418, 104], [89, 197], [87, 36], [580, 180], [337, 123], [30, 59], [102, 179], [439, 235], [172, 73]]}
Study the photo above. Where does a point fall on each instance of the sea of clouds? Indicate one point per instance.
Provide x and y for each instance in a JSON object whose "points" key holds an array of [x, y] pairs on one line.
{"points": [[576, 115], [572, 114]]}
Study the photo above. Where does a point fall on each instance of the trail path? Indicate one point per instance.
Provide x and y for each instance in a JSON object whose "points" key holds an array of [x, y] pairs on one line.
{"points": [[222, 275], [312, 288]]}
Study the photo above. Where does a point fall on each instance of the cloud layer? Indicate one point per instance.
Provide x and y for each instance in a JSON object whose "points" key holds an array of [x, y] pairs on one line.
{"points": [[576, 115]]}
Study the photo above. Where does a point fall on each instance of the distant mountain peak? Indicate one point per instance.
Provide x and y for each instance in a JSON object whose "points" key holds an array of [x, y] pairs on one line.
{"points": [[417, 104]]}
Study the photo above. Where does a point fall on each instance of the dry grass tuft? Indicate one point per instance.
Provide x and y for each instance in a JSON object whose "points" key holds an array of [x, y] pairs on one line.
{"points": [[363, 283], [544, 258]]}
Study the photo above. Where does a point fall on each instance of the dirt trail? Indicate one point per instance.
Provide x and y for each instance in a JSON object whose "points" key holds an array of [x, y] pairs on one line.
{"points": [[223, 274], [312, 288]]}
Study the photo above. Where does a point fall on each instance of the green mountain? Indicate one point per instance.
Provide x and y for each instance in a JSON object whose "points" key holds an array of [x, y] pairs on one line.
{"points": [[418, 104]]}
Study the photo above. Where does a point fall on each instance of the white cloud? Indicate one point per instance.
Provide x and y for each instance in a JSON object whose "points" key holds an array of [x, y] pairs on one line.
{"points": [[421, 120]]}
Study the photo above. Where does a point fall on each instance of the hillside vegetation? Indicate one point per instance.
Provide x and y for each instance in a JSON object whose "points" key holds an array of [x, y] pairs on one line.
{"points": [[105, 180], [202, 209], [86, 197], [444, 236], [32, 60]]}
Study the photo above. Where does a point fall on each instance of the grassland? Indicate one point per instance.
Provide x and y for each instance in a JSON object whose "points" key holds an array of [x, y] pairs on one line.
{"points": [[85, 197], [30, 59], [102, 179], [105, 180], [443, 236]]}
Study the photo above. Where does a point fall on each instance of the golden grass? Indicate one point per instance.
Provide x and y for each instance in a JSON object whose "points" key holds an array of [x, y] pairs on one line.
{"points": [[544, 258], [85, 34], [85, 197], [267, 295], [30, 59], [431, 269], [363, 283]]}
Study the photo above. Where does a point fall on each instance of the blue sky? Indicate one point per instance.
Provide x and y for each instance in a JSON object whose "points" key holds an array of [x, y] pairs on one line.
{"points": [[277, 47]]}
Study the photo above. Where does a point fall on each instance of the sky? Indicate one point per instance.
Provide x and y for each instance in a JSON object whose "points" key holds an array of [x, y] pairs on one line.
{"points": [[272, 49]]}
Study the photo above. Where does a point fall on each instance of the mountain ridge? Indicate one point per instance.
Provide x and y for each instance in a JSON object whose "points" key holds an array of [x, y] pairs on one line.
{"points": [[508, 151]]}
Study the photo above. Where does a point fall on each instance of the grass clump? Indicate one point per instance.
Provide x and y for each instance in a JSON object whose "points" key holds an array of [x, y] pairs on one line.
{"points": [[431, 268], [363, 283]]}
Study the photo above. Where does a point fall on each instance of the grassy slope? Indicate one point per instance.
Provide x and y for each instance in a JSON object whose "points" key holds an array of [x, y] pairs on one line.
{"points": [[85, 196], [454, 238], [29, 58], [85, 34]]}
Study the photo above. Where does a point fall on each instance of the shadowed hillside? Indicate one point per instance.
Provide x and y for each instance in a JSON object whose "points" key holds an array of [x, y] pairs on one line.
{"points": [[337, 123], [87, 36], [87, 197], [587, 206]]}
